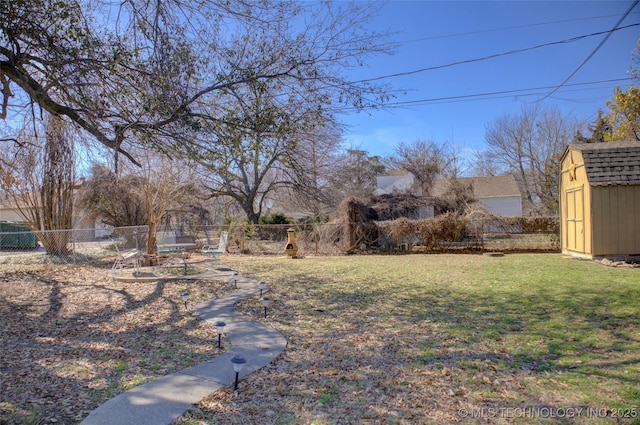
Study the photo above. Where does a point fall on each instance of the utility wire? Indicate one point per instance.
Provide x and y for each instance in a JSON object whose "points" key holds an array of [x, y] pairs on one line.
{"points": [[462, 34], [511, 52], [496, 93], [490, 95], [604, 40]]}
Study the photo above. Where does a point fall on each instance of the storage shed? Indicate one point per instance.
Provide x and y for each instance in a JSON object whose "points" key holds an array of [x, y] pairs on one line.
{"points": [[600, 199]]}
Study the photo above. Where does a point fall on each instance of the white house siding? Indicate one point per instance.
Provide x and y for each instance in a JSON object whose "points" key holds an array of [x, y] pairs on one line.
{"points": [[498, 194], [504, 206], [389, 184], [10, 215]]}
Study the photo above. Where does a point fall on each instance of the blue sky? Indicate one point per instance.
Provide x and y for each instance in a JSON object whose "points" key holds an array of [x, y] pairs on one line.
{"points": [[436, 33]]}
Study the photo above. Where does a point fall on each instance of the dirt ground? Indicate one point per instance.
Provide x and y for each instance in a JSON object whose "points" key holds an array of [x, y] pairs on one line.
{"points": [[72, 338]]}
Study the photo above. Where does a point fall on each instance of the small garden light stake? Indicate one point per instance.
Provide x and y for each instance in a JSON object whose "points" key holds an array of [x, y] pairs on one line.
{"points": [[220, 327], [262, 286], [238, 363], [185, 257], [265, 303], [185, 298]]}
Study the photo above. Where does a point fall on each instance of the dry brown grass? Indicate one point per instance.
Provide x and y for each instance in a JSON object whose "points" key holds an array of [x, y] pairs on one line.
{"points": [[71, 338], [412, 339]]}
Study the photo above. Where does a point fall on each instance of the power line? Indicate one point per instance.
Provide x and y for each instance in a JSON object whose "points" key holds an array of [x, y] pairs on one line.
{"points": [[594, 51], [462, 34], [488, 95], [496, 55]]}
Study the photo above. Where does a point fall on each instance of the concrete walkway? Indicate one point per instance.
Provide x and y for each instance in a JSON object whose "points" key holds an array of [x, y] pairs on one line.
{"points": [[161, 401]]}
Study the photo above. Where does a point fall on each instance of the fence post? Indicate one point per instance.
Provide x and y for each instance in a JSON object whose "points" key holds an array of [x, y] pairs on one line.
{"points": [[244, 235], [73, 247]]}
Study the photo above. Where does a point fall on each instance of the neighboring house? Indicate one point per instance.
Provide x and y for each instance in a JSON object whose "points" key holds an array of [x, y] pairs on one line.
{"points": [[600, 199], [92, 229], [499, 195], [395, 182], [8, 210]]}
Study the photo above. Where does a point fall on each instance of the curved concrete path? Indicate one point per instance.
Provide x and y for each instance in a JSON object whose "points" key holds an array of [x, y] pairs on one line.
{"points": [[163, 400]]}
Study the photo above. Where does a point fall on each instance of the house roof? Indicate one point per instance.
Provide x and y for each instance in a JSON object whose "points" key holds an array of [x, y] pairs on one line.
{"points": [[394, 173], [483, 187], [611, 163], [393, 181]]}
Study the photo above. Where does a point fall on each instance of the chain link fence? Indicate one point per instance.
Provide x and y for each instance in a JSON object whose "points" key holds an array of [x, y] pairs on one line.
{"points": [[55, 247], [87, 245]]}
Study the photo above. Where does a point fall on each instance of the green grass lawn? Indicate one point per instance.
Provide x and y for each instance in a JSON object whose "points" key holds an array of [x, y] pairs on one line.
{"points": [[441, 339]]}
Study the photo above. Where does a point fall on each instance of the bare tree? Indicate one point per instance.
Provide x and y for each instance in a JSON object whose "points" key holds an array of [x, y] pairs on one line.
{"points": [[253, 143], [457, 197], [425, 159], [166, 183], [355, 174], [141, 195], [117, 202], [529, 146], [39, 176], [455, 163], [152, 73], [314, 161], [483, 165]]}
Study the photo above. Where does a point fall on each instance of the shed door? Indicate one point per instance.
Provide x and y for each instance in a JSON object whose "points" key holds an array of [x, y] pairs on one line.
{"points": [[575, 220]]}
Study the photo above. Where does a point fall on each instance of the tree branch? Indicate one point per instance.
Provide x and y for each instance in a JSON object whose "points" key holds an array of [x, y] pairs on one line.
{"points": [[40, 96]]}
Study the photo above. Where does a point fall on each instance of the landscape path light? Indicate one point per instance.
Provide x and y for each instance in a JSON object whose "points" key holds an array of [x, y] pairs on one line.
{"points": [[185, 257], [220, 327], [265, 302], [262, 286], [185, 298], [238, 363]]}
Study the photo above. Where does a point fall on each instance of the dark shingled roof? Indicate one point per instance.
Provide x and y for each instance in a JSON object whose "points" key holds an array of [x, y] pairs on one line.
{"points": [[612, 163]]}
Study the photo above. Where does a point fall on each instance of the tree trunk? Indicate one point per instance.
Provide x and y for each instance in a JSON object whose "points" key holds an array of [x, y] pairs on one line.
{"points": [[152, 237], [56, 193]]}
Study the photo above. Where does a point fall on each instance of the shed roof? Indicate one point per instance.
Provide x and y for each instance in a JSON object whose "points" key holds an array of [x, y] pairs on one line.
{"points": [[611, 163], [483, 187]]}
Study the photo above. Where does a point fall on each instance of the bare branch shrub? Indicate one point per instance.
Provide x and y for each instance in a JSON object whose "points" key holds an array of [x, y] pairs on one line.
{"points": [[39, 178]]}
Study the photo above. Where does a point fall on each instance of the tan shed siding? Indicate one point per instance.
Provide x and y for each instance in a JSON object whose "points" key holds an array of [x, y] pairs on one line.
{"points": [[575, 207], [630, 220], [565, 183], [587, 204], [604, 221], [588, 217], [617, 213], [574, 220], [563, 209], [608, 176]]}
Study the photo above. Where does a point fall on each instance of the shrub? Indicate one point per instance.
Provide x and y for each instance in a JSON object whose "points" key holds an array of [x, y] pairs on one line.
{"points": [[449, 227]]}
